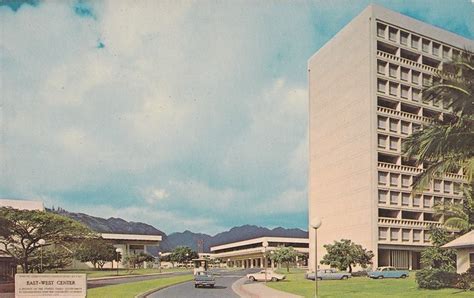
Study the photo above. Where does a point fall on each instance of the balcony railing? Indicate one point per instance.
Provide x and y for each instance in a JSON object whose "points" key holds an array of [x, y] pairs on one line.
{"points": [[407, 222], [414, 170], [407, 62], [404, 115]]}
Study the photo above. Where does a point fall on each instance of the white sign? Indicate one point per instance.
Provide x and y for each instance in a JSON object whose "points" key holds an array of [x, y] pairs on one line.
{"points": [[50, 285]]}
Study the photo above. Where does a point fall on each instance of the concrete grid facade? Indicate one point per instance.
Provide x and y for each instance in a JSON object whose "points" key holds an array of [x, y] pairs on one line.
{"points": [[365, 99]]}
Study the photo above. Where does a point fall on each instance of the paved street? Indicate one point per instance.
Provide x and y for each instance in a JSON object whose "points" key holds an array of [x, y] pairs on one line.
{"points": [[223, 288], [107, 282]]}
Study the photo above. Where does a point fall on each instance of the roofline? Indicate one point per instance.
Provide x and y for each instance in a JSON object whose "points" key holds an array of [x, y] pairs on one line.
{"points": [[259, 239]]}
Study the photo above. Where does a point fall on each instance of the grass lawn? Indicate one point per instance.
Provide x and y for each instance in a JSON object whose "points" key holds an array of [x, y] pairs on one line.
{"points": [[361, 287], [130, 290], [94, 273]]}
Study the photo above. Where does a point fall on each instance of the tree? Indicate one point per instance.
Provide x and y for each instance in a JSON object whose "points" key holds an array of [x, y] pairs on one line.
{"points": [[345, 254], [136, 260], [97, 251], [436, 257], [22, 229], [458, 216], [284, 255], [183, 254], [447, 144], [49, 258]]}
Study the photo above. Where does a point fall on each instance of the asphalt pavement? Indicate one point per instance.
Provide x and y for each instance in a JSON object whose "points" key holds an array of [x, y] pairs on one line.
{"points": [[122, 280], [223, 287]]}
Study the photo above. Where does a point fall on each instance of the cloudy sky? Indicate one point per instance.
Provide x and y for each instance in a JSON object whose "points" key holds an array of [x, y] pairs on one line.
{"points": [[181, 114]]}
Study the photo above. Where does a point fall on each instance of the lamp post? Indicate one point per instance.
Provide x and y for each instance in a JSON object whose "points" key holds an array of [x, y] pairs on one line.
{"points": [[159, 261], [41, 243], [265, 245], [117, 251], [316, 224]]}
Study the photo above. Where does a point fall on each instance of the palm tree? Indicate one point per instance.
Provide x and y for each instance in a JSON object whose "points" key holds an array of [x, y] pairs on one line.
{"points": [[447, 144]]}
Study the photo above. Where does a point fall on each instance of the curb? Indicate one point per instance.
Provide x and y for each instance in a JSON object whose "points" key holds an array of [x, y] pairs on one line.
{"points": [[238, 288], [133, 275], [149, 292]]}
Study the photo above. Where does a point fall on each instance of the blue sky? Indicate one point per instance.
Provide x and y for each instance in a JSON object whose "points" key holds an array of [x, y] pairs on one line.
{"points": [[180, 114]]}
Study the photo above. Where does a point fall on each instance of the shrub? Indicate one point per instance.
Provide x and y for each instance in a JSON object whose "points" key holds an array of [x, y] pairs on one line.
{"points": [[436, 279], [464, 281], [359, 273]]}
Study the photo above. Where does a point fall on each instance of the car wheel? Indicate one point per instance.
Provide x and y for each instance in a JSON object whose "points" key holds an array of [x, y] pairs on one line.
{"points": [[252, 278], [344, 277], [380, 277], [212, 286], [403, 276], [274, 279], [195, 286]]}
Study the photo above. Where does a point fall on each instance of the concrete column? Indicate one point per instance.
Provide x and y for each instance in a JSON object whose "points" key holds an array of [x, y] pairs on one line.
{"points": [[242, 263], [273, 264], [410, 260], [251, 263]]}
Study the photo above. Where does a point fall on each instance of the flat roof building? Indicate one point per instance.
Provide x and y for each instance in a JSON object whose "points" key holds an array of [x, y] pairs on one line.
{"points": [[251, 253], [365, 99]]}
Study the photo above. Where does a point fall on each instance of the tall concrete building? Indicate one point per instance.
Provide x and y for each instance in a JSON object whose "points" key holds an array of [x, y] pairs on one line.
{"points": [[365, 99]]}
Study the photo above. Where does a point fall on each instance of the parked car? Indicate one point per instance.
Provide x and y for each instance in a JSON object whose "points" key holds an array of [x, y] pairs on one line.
{"points": [[388, 272], [260, 276], [328, 274], [204, 279]]}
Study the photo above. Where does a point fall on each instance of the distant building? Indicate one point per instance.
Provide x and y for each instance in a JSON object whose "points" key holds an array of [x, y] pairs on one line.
{"points": [[250, 253], [365, 99], [464, 247]]}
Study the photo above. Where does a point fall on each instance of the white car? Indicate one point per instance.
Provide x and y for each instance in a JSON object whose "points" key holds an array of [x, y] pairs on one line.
{"points": [[260, 276]]}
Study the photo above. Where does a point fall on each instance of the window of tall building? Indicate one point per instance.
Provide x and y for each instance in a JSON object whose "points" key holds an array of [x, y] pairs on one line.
{"points": [[405, 199], [405, 127], [382, 196], [426, 236], [382, 122], [457, 188], [394, 179], [383, 233], [426, 80], [416, 201], [394, 234], [406, 181], [416, 235], [425, 45], [382, 67], [447, 187], [405, 235], [427, 201], [383, 178], [394, 125], [404, 74], [415, 94], [415, 77], [415, 42], [445, 52], [405, 90], [382, 141], [404, 38], [437, 185], [394, 143], [394, 197], [436, 47], [381, 28], [393, 70], [381, 86], [416, 127], [392, 34], [393, 89]]}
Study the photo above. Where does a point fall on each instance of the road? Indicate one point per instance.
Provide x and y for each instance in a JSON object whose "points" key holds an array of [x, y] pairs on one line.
{"points": [[107, 282], [223, 288]]}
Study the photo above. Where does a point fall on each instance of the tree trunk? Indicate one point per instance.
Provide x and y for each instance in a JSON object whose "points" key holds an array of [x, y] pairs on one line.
{"points": [[287, 266], [350, 268]]}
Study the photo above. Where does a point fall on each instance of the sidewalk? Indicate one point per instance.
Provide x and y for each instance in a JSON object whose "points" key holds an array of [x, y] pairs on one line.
{"points": [[258, 290]]}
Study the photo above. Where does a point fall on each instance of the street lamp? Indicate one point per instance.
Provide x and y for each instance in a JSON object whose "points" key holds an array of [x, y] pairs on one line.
{"points": [[41, 243], [316, 224], [228, 263], [265, 245], [117, 251], [159, 261]]}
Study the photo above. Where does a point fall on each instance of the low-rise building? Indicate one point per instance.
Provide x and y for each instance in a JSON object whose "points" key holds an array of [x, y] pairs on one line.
{"points": [[464, 247], [251, 253]]}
